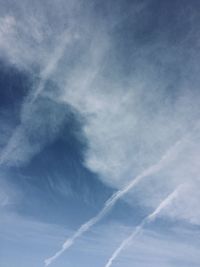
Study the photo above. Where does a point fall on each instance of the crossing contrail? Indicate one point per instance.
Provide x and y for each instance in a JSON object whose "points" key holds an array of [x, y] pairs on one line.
{"points": [[148, 219], [113, 199]]}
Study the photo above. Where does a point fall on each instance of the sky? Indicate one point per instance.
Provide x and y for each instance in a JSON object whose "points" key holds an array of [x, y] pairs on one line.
{"points": [[99, 133]]}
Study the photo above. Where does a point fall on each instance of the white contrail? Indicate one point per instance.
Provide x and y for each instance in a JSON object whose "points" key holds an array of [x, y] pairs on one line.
{"points": [[148, 219], [113, 199], [46, 73], [52, 64]]}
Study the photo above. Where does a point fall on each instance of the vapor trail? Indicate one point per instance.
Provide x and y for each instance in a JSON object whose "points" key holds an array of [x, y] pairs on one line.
{"points": [[148, 219], [113, 199], [45, 74], [52, 65]]}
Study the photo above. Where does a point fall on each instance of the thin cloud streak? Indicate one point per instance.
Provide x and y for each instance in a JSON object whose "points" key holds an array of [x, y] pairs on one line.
{"points": [[148, 219], [113, 199], [48, 70], [52, 65]]}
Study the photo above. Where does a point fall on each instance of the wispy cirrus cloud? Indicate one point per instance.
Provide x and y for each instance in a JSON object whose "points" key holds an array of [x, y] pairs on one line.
{"points": [[134, 81]]}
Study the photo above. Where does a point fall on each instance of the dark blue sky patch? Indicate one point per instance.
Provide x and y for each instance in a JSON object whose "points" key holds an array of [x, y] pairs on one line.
{"points": [[160, 36], [55, 183], [14, 87]]}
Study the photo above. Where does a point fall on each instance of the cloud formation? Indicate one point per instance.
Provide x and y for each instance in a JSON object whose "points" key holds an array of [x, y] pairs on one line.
{"points": [[131, 73]]}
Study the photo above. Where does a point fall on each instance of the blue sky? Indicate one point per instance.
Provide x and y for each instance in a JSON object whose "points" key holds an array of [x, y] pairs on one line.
{"points": [[99, 133]]}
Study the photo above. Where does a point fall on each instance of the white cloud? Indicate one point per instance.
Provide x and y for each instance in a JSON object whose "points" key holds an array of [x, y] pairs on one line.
{"points": [[186, 207]]}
